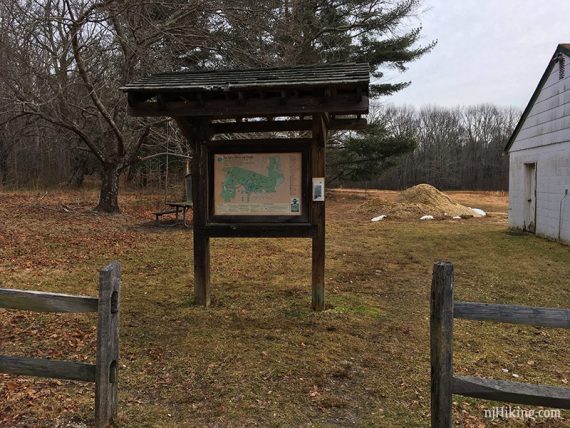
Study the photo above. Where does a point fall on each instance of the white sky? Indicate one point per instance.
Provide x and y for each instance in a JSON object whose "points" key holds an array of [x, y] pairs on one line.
{"points": [[488, 51]]}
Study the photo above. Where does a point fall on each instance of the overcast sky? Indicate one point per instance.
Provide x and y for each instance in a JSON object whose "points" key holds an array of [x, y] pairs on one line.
{"points": [[488, 51]]}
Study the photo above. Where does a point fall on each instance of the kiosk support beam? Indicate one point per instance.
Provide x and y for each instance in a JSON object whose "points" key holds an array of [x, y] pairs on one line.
{"points": [[197, 133], [318, 214]]}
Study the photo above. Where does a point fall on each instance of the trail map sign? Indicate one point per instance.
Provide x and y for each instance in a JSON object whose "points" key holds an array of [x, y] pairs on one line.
{"points": [[257, 183], [258, 139]]}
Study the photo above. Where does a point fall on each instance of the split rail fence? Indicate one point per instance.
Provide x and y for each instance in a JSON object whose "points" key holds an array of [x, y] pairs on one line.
{"points": [[104, 372], [444, 384]]}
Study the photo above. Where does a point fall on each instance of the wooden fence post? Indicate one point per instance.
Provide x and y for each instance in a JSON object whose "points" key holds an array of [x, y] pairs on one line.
{"points": [[106, 378], [441, 343]]}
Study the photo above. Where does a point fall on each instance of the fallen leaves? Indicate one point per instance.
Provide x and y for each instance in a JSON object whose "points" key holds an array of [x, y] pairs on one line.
{"points": [[42, 236]]}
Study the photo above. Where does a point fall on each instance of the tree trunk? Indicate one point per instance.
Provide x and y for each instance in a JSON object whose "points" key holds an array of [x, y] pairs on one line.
{"points": [[3, 169], [78, 175], [109, 196]]}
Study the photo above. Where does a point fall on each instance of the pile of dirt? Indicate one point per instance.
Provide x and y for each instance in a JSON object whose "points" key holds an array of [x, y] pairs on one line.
{"points": [[416, 202]]}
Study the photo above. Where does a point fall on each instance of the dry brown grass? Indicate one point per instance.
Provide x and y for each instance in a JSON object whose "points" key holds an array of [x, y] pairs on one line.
{"points": [[259, 356]]}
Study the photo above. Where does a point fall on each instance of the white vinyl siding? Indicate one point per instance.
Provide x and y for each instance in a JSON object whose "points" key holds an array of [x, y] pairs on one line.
{"points": [[544, 140], [548, 121]]}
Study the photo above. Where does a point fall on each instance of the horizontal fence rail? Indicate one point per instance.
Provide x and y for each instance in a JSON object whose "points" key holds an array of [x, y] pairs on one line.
{"points": [[69, 370], [543, 317], [512, 392], [104, 371], [443, 384], [38, 301]]}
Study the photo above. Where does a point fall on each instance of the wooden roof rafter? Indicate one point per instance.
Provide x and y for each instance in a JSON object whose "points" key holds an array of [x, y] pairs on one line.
{"points": [[283, 126]]}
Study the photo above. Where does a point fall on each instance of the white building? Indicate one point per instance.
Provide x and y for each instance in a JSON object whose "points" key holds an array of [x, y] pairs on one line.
{"points": [[539, 153]]}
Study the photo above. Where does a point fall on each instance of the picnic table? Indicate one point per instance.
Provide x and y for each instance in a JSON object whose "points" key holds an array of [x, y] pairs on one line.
{"points": [[176, 208]]}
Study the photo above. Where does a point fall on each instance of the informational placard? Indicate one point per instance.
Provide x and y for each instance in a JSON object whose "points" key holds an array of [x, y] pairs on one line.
{"points": [[258, 184], [318, 189]]}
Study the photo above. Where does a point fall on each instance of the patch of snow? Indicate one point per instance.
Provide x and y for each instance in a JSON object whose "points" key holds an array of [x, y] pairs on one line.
{"points": [[457, 217], [478, 212], [426, 217], [380, 217]]}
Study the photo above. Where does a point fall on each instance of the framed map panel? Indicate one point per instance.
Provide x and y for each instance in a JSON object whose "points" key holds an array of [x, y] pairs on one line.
{"points": [[258, 183]]}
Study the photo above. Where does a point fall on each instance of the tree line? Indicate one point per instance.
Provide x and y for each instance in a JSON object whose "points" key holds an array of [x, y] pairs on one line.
{"points": [[449, 148], [62, 62]]}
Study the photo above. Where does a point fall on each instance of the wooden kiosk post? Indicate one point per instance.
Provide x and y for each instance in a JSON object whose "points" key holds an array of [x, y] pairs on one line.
{"points": [[197, 133], [258, 139], [318, 214]]}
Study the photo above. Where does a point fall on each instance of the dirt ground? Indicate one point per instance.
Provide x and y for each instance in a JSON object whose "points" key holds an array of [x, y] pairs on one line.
{"points": [[259, 356]]}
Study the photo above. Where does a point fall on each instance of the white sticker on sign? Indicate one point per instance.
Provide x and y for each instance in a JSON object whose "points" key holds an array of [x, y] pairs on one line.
{"points": [[318, 189]]}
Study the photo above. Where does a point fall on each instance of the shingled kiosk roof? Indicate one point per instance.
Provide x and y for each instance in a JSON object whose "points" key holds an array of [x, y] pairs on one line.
{"points": [[227, 80], [337, 89]]}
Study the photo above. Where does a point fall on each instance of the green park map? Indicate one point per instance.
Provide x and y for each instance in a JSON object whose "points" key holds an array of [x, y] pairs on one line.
{"points": [[251, 181], [257, 184]]}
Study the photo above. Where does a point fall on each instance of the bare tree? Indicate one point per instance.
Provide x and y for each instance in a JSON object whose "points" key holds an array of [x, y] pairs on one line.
{"points": [[66, 60]]}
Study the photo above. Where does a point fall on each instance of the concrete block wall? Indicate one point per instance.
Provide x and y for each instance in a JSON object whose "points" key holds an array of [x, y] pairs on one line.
{"points": [[553, 180]]}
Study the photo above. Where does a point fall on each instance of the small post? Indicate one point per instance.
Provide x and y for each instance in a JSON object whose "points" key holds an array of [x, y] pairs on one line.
{"points": [[106, 379], [441, 344]]}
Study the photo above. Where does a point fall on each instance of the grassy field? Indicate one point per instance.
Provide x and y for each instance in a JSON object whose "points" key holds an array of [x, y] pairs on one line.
{"points": [[259, 356]]}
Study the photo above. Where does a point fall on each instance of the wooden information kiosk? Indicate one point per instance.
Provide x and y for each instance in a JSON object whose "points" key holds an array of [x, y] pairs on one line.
{"points": [[265, 177]]}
